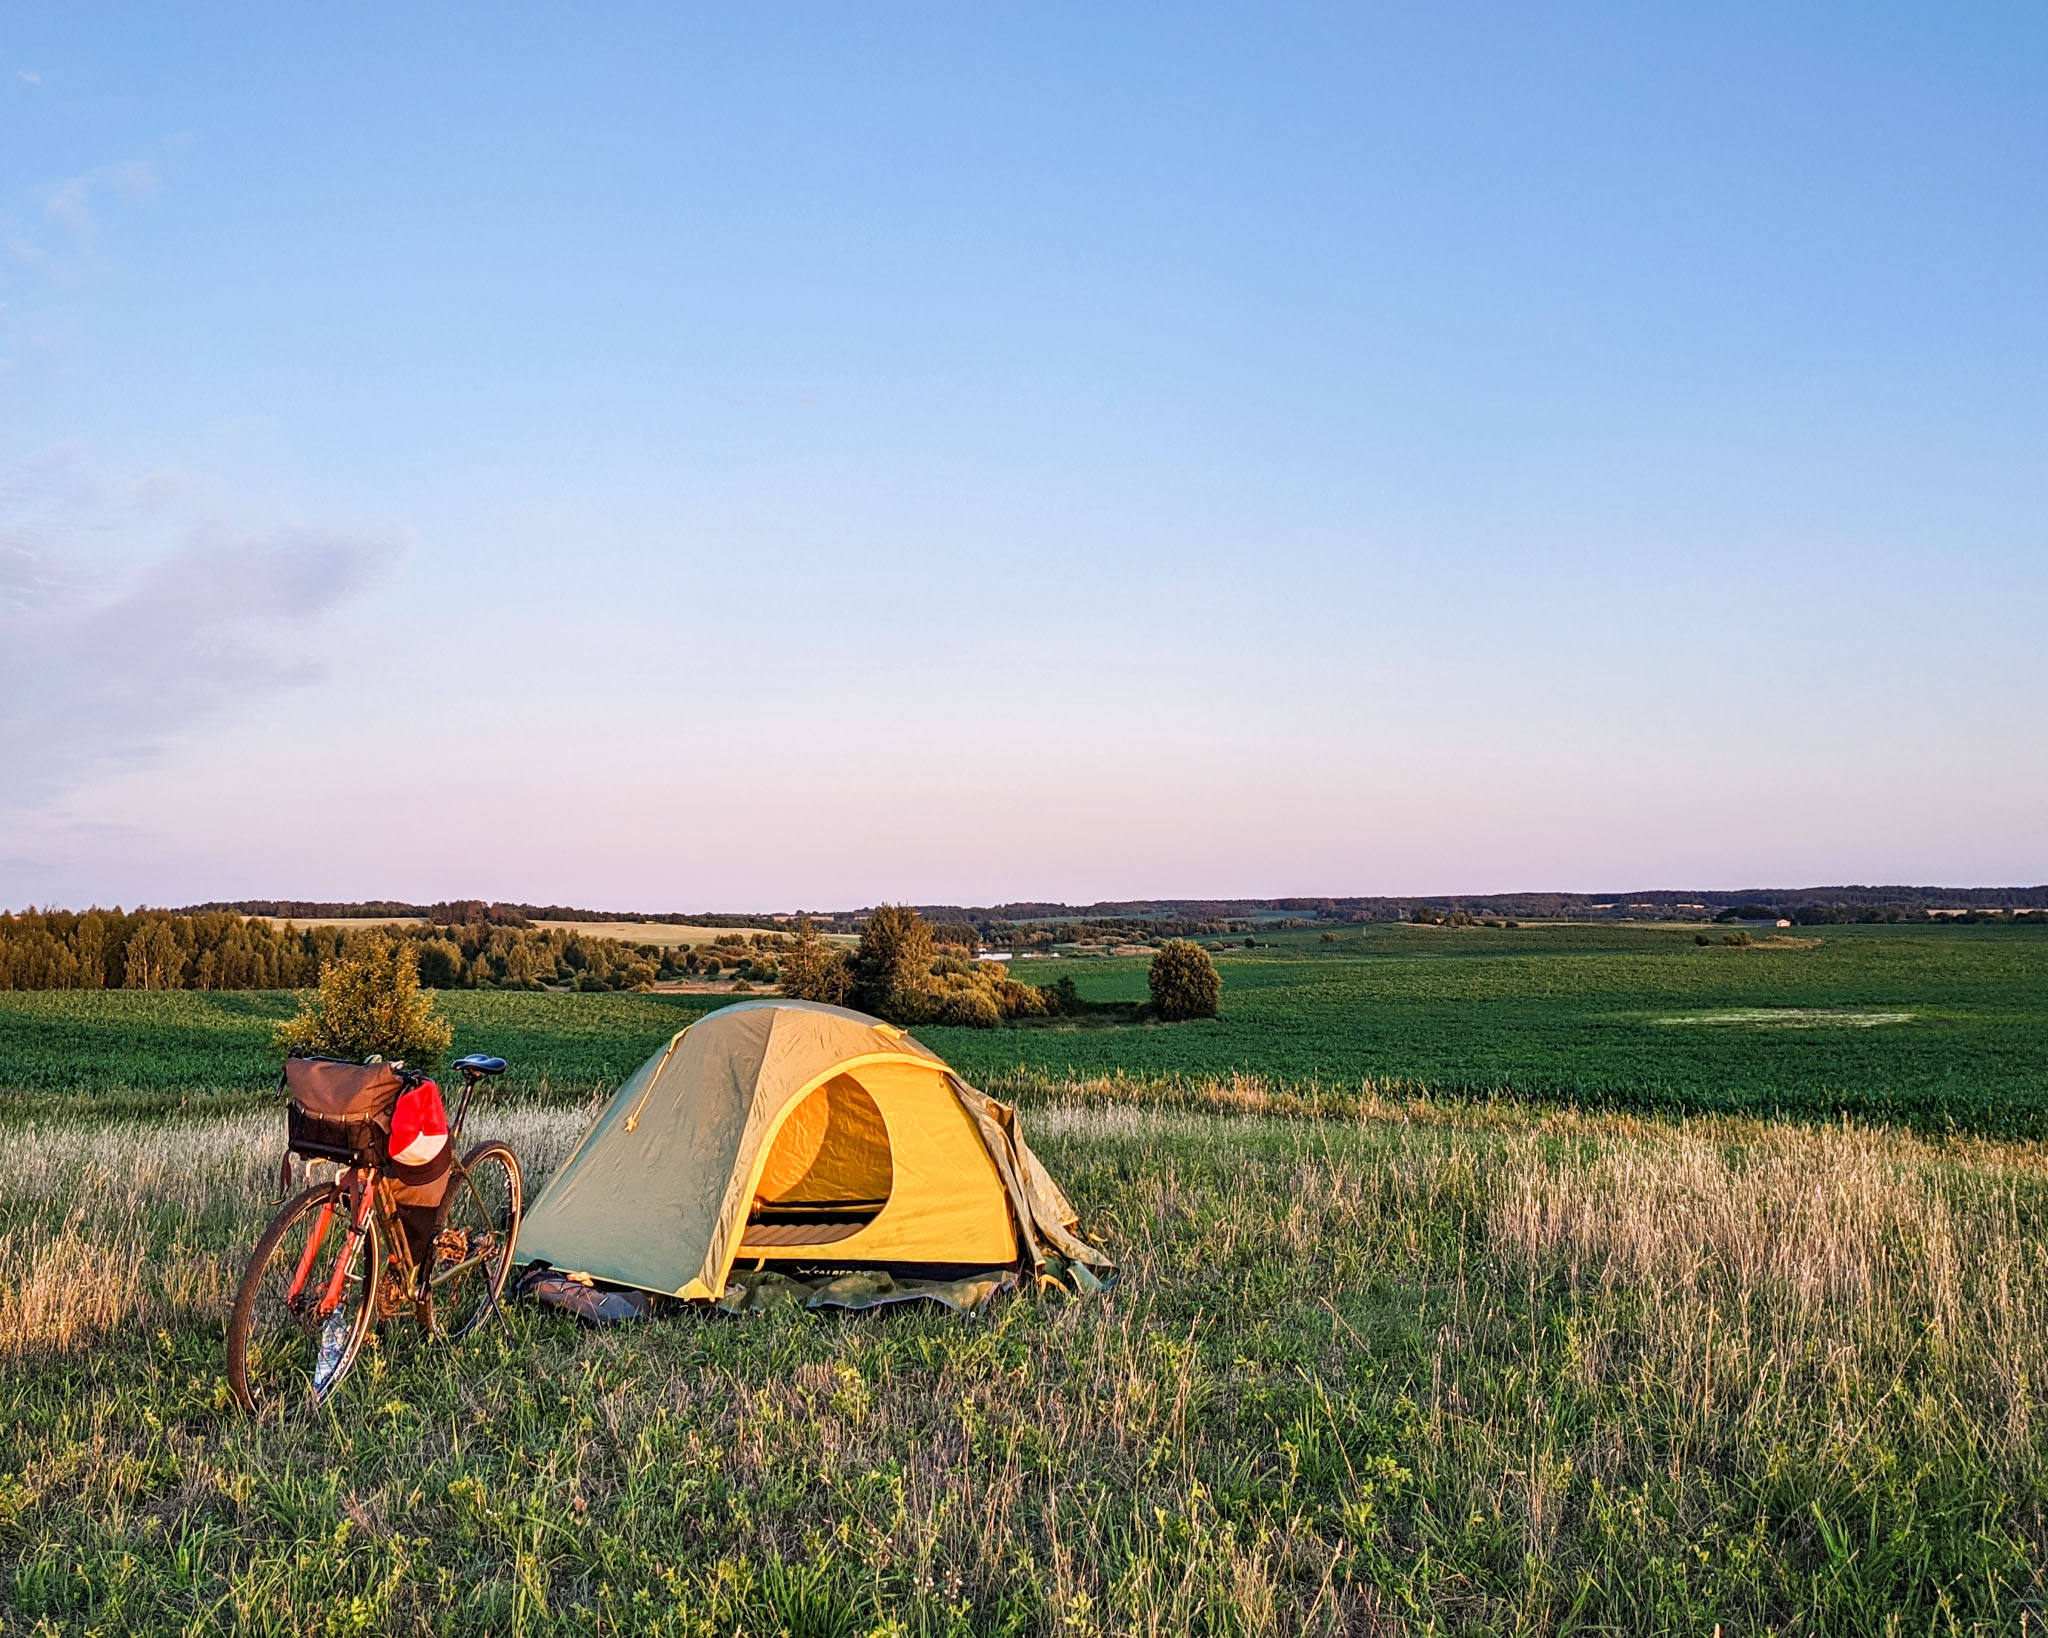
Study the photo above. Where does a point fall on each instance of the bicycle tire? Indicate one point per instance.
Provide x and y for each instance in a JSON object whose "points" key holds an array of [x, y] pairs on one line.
{"points": [[477, 1240], [279, 1371]]}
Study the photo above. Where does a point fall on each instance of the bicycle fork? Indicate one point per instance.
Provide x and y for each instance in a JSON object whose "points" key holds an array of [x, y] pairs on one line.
{"points": [[358, 1226]]}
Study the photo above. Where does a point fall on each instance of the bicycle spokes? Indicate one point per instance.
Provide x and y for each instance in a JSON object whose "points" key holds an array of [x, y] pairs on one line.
{"points": [[472, 1252], [306, 1302]]}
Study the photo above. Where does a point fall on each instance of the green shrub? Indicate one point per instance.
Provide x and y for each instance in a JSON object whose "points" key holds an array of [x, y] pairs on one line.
{"points": [[1184, 982], [370, 1004], [972, 1006]]}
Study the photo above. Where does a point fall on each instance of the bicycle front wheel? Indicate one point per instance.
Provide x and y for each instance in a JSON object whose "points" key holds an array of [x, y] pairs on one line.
{"points": [[480, 1229], [305, 1306]]}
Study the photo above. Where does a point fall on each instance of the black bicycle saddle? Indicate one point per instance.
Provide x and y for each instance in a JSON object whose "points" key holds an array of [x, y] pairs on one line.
{"points": [[477, 1064]]}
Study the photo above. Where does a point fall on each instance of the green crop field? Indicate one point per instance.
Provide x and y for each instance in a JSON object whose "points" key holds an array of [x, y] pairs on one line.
{"points": [[126, 1049], [1935, 1027]]}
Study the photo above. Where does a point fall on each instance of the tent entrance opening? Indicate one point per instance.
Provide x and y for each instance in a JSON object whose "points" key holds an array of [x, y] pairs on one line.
{"points": [[829, 1173]]}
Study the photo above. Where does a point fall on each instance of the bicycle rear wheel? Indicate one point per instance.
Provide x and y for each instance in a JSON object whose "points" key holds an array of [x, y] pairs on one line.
{"points": [[305, 1305], [473, 1250]]}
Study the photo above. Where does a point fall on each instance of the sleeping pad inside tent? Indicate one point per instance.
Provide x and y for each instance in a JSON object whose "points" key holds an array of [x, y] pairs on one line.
{"points": [[784, 1148]]}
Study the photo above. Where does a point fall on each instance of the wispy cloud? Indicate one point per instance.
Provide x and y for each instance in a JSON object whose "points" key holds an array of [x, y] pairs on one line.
{"points": [[99, 665], [70, 202], [30, 75]]}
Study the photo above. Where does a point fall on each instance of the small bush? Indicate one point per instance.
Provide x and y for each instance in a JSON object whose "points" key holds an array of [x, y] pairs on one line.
{"points": [[370, 1004], [974, 1008], [1184, 981]]}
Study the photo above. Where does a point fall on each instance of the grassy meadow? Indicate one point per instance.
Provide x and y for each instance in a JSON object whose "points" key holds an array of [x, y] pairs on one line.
{"points": [[1422, 1328], [1428, 1369]]}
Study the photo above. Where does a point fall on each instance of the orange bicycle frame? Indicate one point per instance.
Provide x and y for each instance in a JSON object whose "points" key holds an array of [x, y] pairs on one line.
{"points": [[359, 1217]]}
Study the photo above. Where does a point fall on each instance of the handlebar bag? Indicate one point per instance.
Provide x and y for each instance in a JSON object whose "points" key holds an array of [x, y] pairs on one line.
{"points": [[341, 1110]]}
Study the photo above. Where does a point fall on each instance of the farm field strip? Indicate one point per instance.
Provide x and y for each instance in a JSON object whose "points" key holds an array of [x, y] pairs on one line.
{"points": [[668, 935], [1940, 1028]]}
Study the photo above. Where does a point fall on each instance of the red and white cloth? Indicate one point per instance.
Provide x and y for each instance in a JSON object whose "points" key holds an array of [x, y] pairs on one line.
{"points": [[419, 1126]]}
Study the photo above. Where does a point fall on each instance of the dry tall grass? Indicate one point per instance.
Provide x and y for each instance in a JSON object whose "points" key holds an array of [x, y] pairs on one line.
{"points": [[1426, 1368], [146, 1223]]}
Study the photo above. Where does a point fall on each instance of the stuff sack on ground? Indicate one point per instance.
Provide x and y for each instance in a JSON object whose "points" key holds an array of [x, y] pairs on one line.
{"points": [[580, 1299]]}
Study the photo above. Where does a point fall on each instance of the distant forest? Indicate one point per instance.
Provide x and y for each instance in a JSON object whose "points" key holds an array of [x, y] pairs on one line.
{"points": [[1665, 904], [1029, 925], [471, 943], [220, 950]]}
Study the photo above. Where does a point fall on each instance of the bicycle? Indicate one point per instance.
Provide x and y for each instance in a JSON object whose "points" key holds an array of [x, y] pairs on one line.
{"points": [[337, 1260]]}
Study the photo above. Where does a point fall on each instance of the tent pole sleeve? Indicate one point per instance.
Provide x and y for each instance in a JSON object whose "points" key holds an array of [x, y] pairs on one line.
{"points": [[676, 1040]]}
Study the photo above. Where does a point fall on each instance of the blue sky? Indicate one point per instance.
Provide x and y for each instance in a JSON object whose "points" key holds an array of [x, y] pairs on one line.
{"points": [[726, 457]]}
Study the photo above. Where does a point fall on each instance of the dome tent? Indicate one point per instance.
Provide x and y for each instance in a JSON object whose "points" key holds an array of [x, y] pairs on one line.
{"points": [[796, 1137]]}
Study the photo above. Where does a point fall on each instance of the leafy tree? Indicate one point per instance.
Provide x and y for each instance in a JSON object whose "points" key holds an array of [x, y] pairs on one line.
{"points": [[155, 957], [891, 971], [440, 963], [815, 970], [370, 1004], [1184, 981]]}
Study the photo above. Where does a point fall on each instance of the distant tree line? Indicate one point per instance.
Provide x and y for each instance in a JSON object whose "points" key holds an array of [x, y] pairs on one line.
{"points": [[1167, 918], [1839, 915], [460, 912], [158, 950], [220, 950]]}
